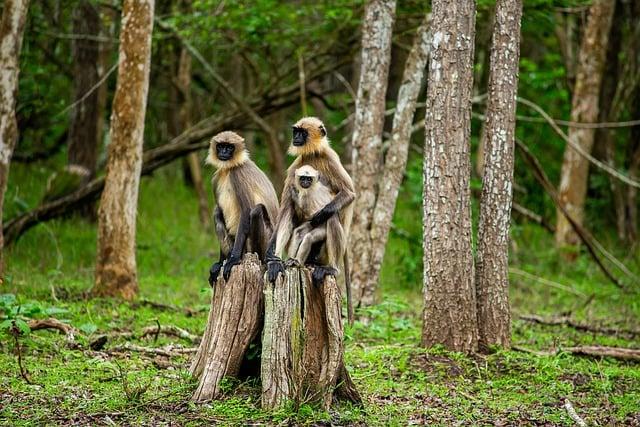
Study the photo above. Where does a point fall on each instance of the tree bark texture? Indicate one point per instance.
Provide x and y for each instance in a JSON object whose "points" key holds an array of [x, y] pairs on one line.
{"points": [[14, 15], [302, 342], [575, 168], [367, 137], [492, 268], [116, 261], [395, 163], [449, 316], [83, 132], [235, 319]]}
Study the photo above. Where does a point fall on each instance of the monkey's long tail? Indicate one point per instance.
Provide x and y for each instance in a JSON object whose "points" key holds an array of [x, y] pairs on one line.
{"points": [[347, 283]]}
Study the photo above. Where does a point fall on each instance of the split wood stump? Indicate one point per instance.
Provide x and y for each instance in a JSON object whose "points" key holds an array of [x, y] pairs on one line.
{"points": [[302, 342], [235, 319]]}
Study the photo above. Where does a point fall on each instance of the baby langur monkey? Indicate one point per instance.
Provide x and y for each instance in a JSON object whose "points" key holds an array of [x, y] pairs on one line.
{"points": [[312, 196]]}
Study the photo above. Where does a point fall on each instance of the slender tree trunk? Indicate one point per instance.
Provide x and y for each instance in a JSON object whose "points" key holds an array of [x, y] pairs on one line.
{"points": [[116, 262], [492, 268], [395, 160], [367, 136], [14, 15], [575, 168], [449, 316], [184, 122], [83, 133]]}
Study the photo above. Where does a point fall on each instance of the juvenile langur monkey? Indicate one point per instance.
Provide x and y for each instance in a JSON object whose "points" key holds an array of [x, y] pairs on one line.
{"points": [[247, 203], [311, 147], [311, 196]]}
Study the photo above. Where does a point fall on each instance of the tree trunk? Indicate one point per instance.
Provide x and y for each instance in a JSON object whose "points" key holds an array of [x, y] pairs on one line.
{"points": [[367, 137], [449, 314], [575, 168], [83, 132], [302, 342], [492, 268], [14, 15], [395, 161], [116, 260], [235, 319], [184, 122]]}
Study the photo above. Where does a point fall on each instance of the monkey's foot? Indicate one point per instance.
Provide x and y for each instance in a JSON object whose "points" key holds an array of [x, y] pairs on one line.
{"points": [[214, 272], [274, 267], [320, 272], [292, 262]]}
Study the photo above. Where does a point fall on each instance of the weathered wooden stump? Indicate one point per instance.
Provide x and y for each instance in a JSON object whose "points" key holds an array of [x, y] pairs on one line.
{"points": [[235, 319], [302, 342]]}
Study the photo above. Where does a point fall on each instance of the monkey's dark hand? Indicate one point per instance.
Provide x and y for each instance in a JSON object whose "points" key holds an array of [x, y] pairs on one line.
{"points": [[322, 215], [214, 272], [274, 267], [232, 261], [320, 272]]}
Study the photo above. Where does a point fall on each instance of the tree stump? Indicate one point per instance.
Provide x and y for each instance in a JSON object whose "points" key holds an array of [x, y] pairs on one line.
{"points": [[302, 342], [235, 319]]}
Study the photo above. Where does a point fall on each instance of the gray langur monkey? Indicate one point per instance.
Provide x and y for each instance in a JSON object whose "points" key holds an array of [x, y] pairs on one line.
{"points": [[247, 203], [311, 147]]}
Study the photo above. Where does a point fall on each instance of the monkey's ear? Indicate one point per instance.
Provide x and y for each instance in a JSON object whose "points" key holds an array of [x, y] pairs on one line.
{"points": [[323, 131]]}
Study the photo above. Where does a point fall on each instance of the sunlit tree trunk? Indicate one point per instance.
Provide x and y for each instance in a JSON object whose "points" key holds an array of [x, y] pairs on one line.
{"points": [[492, 268], [367, 137], [575, 168], [14, 15], [395, 161], [83, 134], [116, 261], [449, 316]]}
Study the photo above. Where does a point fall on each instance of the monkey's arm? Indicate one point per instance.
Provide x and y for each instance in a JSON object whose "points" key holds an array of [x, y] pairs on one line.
{"points": [[225, 245], [344, 198], [342, 184], [281, 233], [235, 256]]}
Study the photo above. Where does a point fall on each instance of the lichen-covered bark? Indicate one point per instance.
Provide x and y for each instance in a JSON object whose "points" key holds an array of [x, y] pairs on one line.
{"points": [[14, 15], [575, 168], [302, 342], [395, 161], [449, 314], [83, 131], [367, 136], [492, 268], [235, 319], [116, 260]]}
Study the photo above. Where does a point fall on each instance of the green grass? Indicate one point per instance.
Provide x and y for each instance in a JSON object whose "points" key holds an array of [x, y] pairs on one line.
{"points": [[52, 266]]}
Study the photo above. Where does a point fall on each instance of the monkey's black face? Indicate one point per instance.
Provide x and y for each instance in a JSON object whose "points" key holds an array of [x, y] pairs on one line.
{"points": [[306, 181], [300, 136], [224, 150]]}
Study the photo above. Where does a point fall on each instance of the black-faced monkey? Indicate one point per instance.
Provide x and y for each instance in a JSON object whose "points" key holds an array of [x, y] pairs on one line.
{"points": [[246, 203], [311, 146]]}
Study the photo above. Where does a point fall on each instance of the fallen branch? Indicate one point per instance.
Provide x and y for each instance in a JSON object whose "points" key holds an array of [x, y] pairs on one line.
{"points": [[572, 414], [52, 323], [589, 241], [170, 350], [166, 307], [566, 321], [620, 353], [169, 330]]}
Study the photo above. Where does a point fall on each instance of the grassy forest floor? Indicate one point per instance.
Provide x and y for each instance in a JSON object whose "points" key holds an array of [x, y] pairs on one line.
{"points": [[51, 268]]}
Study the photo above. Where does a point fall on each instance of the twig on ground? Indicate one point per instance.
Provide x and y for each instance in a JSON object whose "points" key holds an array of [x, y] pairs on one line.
{"points": [[166, 307], [23, 371], [572, 413], [170, 330], [52, 323], [566, 321], [619, 353], [167, 351]]}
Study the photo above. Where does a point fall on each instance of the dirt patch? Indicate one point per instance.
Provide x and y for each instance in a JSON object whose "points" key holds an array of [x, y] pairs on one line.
{"points": [[436, 364]]}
